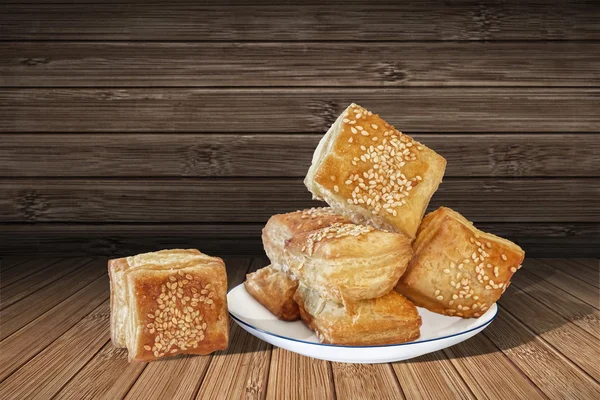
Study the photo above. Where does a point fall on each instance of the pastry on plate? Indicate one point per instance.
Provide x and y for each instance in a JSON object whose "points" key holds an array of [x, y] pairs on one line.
{"points": [[388, 319], [370, 172], [282, 227], [273, 286], [458, 270], [275, 290], [348, 262], [168, 302]]}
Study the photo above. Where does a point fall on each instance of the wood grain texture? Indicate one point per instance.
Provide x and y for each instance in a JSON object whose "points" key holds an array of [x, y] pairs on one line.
{"points": [[126, 64], [29, 267], [108, 375], [566, 304], [366, 381], [34, 282], [534, 357], [297, 110], [9, 262], [43, 299], [431, 376], [591, 263], [561, 280], [63, 358], [247, 200], [557, 331], [242, 370], [24, 344], [289, 155], [587, 275], [488, 372], [379, 20], [180, 377], [292, 376], [244, 239]]}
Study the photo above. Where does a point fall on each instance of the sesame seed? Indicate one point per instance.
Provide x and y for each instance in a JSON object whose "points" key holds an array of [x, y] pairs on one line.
{"points": [[374, 126], [336, 188], [504, 257], [447, 271], [439, 297], [513, 270]]}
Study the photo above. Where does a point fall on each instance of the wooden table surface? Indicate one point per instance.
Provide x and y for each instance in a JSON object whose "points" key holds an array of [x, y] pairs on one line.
{"points": [[55, 342]]}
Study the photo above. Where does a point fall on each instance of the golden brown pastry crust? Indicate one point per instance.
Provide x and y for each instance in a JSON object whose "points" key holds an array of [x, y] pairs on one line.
{"points": [[275, 290], [348, 262], [174, 302], [367, 170], [388, 319], [283, 227], [458, 270]]}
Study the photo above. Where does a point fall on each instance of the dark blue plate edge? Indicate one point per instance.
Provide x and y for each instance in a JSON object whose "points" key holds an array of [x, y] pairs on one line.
{"points": [[363, 347]]}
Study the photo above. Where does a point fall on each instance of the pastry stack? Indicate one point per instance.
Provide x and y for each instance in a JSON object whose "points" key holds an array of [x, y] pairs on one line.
{"points": [[354, 271]]}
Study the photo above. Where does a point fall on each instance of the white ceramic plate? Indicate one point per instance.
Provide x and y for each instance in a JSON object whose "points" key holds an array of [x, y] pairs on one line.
{"points": [[437, 332]]}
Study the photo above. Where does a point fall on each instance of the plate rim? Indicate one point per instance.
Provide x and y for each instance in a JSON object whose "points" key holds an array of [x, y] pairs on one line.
{"points": [[238, 320]]}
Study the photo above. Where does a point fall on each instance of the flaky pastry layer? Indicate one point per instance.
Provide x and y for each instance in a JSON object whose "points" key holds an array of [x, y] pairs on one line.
{"points": [[388, 319], [370, 172], [458, 270]]}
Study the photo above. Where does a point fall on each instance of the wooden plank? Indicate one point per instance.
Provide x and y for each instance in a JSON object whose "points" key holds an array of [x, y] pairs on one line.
{"points": [[180, 377], [108, 376], [24, 344], [46, 373], [535, 358], [431, 376], [242, 370], [380, 20], [565, 304], [29, 267], [41, 279], [280, 110], [292, 376], [126, 64], [365, 381], [591, 263], [289, 155], [489, 373], [574, 286], [564, 336], [255, 200], [244, 239], [574, 269], [22, 312], [9, 262]]}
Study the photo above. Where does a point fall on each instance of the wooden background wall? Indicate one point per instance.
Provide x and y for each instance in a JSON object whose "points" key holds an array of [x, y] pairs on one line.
{"points": [[131, 127]]}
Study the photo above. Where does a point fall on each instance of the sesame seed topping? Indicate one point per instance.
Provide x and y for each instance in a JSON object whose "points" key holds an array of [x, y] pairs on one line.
{"points": [[439, 297], [447, 271], [504, 257], [336, 188], [513, 270], [374, 126]]}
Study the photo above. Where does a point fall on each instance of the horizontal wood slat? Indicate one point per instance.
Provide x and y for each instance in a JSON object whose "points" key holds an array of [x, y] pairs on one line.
{"points": [[244, 239], [289, 155], [297, 110], [126, 64], [245, 200], [379, 20]]}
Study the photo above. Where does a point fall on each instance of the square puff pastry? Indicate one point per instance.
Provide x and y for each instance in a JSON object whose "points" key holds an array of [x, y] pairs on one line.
{"points": [[168, 302], [367, 170], [282, 227], [275, 290], [348, 262], [387, 319], [458, 270]]}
